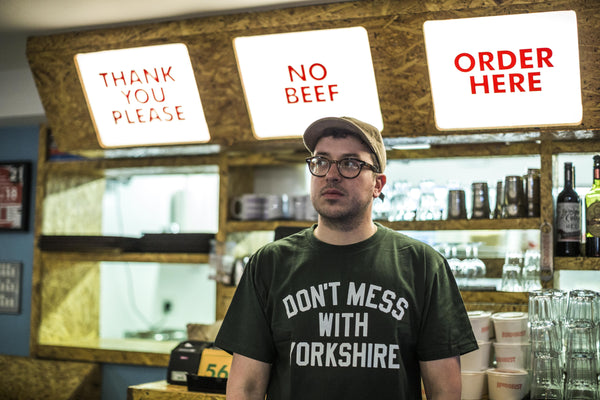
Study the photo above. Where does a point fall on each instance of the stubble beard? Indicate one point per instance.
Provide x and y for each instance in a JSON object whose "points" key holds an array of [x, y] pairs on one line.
{"points": [[343, 220]]}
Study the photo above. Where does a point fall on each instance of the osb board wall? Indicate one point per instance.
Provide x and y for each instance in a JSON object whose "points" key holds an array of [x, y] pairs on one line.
{"points": [[70, 298], [81, 196], [397, 46]]}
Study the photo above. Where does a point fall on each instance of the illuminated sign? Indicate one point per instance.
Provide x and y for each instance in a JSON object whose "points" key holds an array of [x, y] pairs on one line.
{"points": [[292, 79], [505, 71], [143, 96]]}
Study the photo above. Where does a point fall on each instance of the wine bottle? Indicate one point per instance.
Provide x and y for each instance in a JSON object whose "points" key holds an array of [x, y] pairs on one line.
{"points": [[592, 214], [568, 218]]}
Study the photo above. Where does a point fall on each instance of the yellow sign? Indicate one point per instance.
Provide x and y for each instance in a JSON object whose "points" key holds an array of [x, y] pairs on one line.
{"points": [[214, 363]]}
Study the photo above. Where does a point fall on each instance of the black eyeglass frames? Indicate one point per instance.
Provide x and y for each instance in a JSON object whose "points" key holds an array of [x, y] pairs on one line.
{"points": [[349, 168]]}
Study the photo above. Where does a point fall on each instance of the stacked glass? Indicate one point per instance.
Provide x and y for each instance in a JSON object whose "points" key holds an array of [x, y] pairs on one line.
{"points": [[545, 319], [581, 338]]}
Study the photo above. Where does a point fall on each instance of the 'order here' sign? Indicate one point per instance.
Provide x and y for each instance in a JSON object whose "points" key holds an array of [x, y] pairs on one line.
{"points": [[505, 71]]}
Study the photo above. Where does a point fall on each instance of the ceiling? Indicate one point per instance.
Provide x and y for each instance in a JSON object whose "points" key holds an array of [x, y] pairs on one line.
{"points": [[22, 18]]}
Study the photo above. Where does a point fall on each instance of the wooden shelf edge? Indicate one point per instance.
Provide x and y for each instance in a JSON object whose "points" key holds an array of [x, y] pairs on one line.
{"points": [[471, 224], [113, 356], [577, 263], [110, 256]]}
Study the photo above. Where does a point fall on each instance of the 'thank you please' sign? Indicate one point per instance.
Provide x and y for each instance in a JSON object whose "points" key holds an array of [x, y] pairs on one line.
{"points": [[505, 71], [292, 79], [143, 96]]}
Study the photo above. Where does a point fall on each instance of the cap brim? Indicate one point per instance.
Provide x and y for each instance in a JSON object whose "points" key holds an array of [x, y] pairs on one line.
{"points": [[314, 132]]}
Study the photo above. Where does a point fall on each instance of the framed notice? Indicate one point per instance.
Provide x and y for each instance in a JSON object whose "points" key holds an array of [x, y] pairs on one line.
{"points": [[14, 195]]}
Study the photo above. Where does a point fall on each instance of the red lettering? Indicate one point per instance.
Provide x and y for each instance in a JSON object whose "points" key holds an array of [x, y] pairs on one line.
{"points": [[127, 96], [504, 59], [543, 55], [533, 82], [167, 74], [305, 95], [117, 116], [323, 71], [169, 115], [290, 94], [319, 94], [515, 81], [153, 115], [524, 58], [511, 56], [116, 79], [128, 119], [179, 113], [470, 59], [154, 95], [138, 112], [134, 78], [141, 96], [485, 60], [301, 76], [498, 83], [484, 84], [331, 91], [149, 74], [103, 75]]}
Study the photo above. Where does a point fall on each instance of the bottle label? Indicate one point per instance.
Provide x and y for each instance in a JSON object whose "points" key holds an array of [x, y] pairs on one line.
{"points": [[568, 222], [592, 220]]}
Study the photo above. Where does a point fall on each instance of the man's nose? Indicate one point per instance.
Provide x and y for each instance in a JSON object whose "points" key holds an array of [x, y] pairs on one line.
{"points": [[333, 173]]}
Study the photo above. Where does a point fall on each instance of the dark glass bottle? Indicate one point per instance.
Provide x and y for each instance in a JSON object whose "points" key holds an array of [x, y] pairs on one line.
{"points": [[568, 218], [592, 214]]}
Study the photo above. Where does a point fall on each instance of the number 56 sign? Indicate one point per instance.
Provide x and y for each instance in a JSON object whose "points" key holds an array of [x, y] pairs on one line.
{"points": [[14, 195], [214, 363]]}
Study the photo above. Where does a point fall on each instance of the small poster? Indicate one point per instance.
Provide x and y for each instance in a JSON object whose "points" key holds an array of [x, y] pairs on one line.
{"points": [[14, 195]]}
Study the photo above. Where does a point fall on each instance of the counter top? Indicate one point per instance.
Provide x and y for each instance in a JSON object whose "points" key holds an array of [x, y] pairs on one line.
{"points": [[161, 390]]}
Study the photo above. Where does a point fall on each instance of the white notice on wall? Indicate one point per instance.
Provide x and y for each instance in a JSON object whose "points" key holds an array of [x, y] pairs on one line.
{"points": [[505, 71], [292, 79], [143, 96]]}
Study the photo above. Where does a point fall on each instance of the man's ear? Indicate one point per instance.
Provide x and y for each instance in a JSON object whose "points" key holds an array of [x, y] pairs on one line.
{"points": [[380, 180]]}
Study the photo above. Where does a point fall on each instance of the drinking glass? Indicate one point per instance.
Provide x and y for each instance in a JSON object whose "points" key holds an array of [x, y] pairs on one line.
{"points": [[580, 378], [428, 208], [473, 265], [512, 272], [546, 377], [581, 305], [531, 270]]}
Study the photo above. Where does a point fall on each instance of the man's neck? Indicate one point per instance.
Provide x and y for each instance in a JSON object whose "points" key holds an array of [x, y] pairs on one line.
{"points": [[332, 233]]}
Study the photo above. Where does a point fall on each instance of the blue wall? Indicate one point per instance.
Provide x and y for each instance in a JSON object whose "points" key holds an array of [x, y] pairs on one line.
{"points": [[21, 144]]}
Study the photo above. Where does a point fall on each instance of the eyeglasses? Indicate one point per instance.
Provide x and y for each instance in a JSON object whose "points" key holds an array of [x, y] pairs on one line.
{"points": [[349, 168]]}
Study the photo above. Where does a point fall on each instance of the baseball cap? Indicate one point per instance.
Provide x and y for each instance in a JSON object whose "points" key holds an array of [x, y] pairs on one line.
{"points": [[366, 132]]}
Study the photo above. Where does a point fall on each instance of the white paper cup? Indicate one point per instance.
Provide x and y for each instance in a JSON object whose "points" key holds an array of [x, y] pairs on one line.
{"points": [[481, 324], [507, 384], [474, 385], [478, 360], [512, 355], [510, 327]]}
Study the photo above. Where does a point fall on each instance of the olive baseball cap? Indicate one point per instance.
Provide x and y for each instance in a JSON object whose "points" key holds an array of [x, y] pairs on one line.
{"points": [[366, 132]]}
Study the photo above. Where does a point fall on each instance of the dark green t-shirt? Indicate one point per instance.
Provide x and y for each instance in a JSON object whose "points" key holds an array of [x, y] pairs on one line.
{"points": [[346, 322]]}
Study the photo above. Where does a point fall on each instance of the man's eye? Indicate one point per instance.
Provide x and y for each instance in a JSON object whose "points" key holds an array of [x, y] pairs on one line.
{"points": [[349, 163]]}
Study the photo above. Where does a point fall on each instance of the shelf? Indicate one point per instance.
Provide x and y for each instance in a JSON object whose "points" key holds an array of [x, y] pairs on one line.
{"points": [[174, 258], [577, 263], [472, 224], [114, 351]]}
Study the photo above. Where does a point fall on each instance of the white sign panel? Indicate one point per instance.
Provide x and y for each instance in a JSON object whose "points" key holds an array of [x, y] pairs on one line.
{"points": [[505, 71], [143, 96], [292, 79]]}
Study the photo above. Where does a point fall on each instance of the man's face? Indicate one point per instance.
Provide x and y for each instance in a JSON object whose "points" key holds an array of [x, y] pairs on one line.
{"points": [[338, 198]]}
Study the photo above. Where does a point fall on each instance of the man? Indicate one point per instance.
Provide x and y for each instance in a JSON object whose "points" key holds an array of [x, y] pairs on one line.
{"points": [[347, 309]]}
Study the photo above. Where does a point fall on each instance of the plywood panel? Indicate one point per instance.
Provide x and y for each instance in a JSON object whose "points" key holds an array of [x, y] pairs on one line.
{"points": [[395, 34]]}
